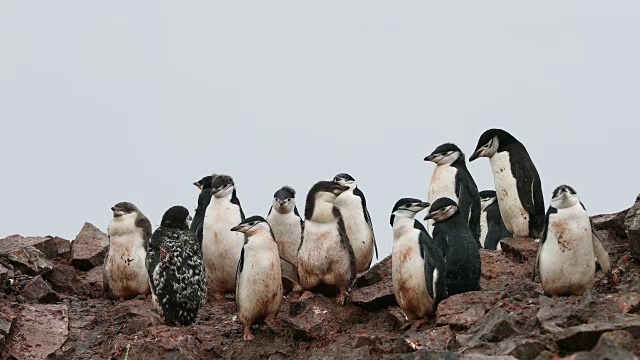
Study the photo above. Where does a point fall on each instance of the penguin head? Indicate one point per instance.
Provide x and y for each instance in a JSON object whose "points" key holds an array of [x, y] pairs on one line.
{"points": [[345, 179], [284, 200], [564, 196], [407, 208], [222, 186], [325, 191], [252, 225], [445, 154], [205, 182], [487, 197], [442, 209], [176, 217], [490, 141], [123, 208]]}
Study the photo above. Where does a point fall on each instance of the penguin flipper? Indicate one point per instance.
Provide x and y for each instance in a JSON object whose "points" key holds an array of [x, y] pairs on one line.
{"points": [[289, 271], [238, 271], [106, 289], [434, 269], [535, 263], [367, 217], [601, 253]]}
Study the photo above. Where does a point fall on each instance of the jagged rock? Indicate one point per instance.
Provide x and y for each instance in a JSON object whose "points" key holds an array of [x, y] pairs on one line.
{"points": [[3, 273], [493, 327], [64, 247], [159, 342], [424, 354], [38, 290], [63, 279], [377, 273], [431, 339], [321, 318], [41, 331], [138, 316], [555, 315], [342, 353], [621, 338], [609, 347], [613, 223], [28, 260], [585, 337], [520, 249], [547, 355], [45, 244], [374, 297], [460, 311], [6, 322], [89, 248], [90, 283], [521, 348], [632, 228]]}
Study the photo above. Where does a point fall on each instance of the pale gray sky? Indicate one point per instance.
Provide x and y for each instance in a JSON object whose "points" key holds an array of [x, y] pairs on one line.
{"points": [[134, 101]]}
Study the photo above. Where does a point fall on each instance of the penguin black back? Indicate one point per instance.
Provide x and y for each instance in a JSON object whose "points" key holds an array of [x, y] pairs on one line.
{"points": [[495, 229]]}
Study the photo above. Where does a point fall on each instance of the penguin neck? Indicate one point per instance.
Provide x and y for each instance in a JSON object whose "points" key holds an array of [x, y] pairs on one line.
{"points": [[260, 237], [401, 225], [323, 212], [124, 224]]}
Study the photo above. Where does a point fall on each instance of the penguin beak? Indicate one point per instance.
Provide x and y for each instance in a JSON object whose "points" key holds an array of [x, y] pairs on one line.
{"points": [[429, 216], [430, 157], [424, 205], [475, 155], [239, 228]]}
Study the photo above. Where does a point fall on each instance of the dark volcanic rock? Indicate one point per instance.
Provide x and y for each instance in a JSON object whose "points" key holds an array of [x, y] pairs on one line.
{"points": [[89, 248], [632, 228], [430, 339], [611, 222], [460, 311], [342, 353], [42, 329], [608, 348], [90, 283], [38, 290], [520, 249], [63, 279], [6, 322], [585, 337], [64, 247], [45, 245], [522, 349], [3, 273], [493, 327], [374, 297], [28, 260], [377, 273], [322, 318], [424, 354]]}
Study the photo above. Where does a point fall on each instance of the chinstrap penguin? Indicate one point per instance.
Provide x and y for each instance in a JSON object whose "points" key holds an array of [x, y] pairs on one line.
{"points": [[204, 185], [453, 237], [258, 283], [492, 228], [325, 257], [357, 221], [286, 223], [175, 268], [452, 179], [565, 259], [220, 246], [125, 274], [517, 182], [418, 267]]}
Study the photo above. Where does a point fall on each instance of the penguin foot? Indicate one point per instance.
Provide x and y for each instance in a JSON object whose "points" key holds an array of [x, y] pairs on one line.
{"points": [[247, 334], [306, 296], [342, 298]]}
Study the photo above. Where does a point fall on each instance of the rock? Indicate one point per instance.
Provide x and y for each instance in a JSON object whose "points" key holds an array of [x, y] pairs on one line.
{"points": [[493, 327], [431, 339], [547, 355], [377, 273], [557, 314], [396, 317], [613, 223], [3, 273], [38, 290], [521, 348], [485, 357], [138, 316], [28, 260], [64, 247], [632, 228], [6, 322], [63, 279], [606, 349], [90, 283], [374, 297], [621, 338], [585, 337], [341, 353], [41, 331], [45, 245], [460, 311], [520, 249], [424, 354], [89, 248], [321, 318]]}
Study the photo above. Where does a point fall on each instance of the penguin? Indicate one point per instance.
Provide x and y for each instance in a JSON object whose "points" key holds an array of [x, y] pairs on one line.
{"points": [[517, 182], [325, 256], [357, 221], [418, 268], [204, 185], [175, 268], [566, 250], [220, 246], [492, 228], [284, 219], [258, 284], [452, 179], [125, 274], [453, 237]]}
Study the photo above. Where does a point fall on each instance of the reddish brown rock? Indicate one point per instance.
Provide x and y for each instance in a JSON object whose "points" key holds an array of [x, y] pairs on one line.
{"points": [[45, 245], [89, 248], [321, 318], [377, 273], [493, 327], [63, 279], [611, 222], [28, 260], [38, 290], [64, 247], [520, 249], [632, 228], [41, 330], [463, 310], [431, 338], [585, 337], [374, 297], [3, 273]]}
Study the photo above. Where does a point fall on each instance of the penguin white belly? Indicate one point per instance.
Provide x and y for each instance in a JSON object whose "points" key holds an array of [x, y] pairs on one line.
{"points": [[566, 262], [322, 258], [357, 228], [484, 227], [125, 268], [409, 280], [259, 291], [287, 231], [515, 217], [443, 184], [220, 246]]}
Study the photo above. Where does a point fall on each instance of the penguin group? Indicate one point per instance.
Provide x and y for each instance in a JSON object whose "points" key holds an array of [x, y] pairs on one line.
{"points": [[258, 260]]}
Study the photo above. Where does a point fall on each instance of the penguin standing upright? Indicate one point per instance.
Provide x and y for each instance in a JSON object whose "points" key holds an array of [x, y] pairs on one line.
{"points": [[418, 267], [462, 256], [204, 198], [567, 247], [125, 275], [286, 223], [492, 228], [357, 221], [325, 257], [220, 246], [175, 268], [452, 179], [258, 284], [517, 182]]}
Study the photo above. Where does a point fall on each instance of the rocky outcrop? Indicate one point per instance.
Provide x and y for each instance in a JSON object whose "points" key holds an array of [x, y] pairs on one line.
{"points": [[38, 290], [39, 332], [89, 248], [63, 246], [26, 259], [632, 228]]}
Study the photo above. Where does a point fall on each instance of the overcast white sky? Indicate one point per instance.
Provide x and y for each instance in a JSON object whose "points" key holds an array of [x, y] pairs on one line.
{"points": [[103, 102]]}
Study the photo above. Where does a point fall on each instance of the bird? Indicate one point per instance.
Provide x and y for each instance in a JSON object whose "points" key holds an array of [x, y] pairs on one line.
{"points": [[491, 224], [357, 221], [258, 284], [125, 275], [418, 268], [453, 237], [452, 179], [204, 185], [286, 223], [221, 247], [325, 257], [175, 268], [566, 250], [517, 183]]}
